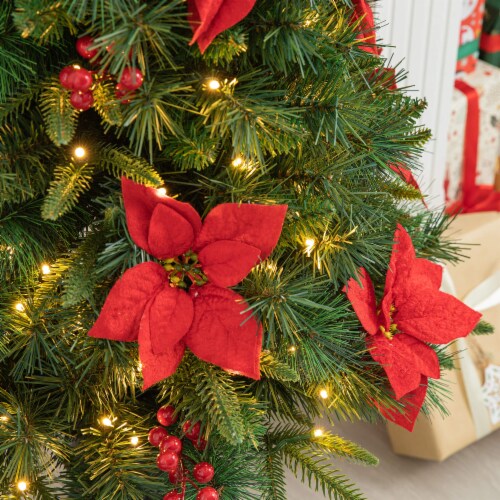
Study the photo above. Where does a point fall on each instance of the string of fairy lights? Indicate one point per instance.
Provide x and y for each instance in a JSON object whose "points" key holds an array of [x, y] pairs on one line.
{"points": [[79, 154]]}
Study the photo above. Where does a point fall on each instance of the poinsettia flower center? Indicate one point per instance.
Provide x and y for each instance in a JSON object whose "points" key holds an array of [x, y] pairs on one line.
{"points": [[393, 327], [389, 334], [185, 271]]}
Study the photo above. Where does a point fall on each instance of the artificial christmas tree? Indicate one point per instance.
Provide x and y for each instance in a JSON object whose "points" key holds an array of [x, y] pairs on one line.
{"points": [[287, 137]]}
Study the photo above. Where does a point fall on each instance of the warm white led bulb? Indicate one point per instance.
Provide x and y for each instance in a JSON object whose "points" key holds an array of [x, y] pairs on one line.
{"points": [[238, 161], [106, 421], [19, 307], [318, 432], [134, 440], [45, 269], [4, 418], [214, 84], [162, 191], [309, 246], [323, 393], [79, 152], [292, 349], [22, 485]]}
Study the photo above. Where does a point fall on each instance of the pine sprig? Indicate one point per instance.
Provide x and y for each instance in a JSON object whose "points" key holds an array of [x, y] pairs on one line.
{"points": [[317, 471], [270, 367], [59, 116], [43, 20], [119, 161], [69, 183]]}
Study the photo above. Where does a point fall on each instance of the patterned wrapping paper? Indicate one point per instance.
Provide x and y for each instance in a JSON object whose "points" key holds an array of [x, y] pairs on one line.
{"points": [[438, 437], [470, 33], [486, 80], [490, 38]]}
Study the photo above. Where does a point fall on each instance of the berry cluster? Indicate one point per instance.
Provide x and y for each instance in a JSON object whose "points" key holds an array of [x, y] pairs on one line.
{"points": [[80, 80], [171, 460]]}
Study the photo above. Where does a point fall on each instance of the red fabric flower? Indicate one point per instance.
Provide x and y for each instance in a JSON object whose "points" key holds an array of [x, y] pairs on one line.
{"points": [[362, 10], [148, 303], [413, 313], [208, 18]]}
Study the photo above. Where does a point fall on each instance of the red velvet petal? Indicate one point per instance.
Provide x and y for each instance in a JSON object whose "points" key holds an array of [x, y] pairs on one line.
{"points": [[211, 17], [140, 202], [363, 301], [222, 334], [156, 367], [413, 402], [170, 316], [124, 306], [170, 234], [226, 263], [427, 273], [434, 316], [256, 225], [402, 259], [363, 10], [404, 360]]}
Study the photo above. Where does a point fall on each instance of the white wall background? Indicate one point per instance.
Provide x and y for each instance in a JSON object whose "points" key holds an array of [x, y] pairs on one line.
{"points": [[425, 35]]}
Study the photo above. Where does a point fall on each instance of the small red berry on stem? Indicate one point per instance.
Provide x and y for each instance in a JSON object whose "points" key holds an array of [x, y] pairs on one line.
{"points": [[207, 493], [203, 472], [82, 47], [165, 414], [156, 435], [191, 432], [64, 75], [81, 100], [175, 476], [131, 78], [171, 443], [167, 461], [80, 79], [124, 95], [172, 495], [200, 444]]}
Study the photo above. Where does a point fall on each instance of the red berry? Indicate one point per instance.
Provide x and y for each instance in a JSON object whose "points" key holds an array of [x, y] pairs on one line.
{"points": [[172, 495], [167, 461], [64, 75], [124, 94], [201, 444], [80, 79], [191, 432], [171, 443], [82, 47], [156, 435], [175, 476], [165, 414], [207, 493], [132, 78], [81, 100], [203, 472]]}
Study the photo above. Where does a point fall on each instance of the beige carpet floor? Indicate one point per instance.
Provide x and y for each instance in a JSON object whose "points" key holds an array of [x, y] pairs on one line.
{"points": [[472, 474]]}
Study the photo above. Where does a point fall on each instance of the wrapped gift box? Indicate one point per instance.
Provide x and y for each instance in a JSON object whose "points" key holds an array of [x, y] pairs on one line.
{"points": [[438, 437], [490, 38], [483, 141], [470, 34]]}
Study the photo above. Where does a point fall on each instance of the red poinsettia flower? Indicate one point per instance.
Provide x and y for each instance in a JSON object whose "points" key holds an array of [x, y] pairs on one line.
{"points": [[151, 302], [208, 18], [413, 313]]}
